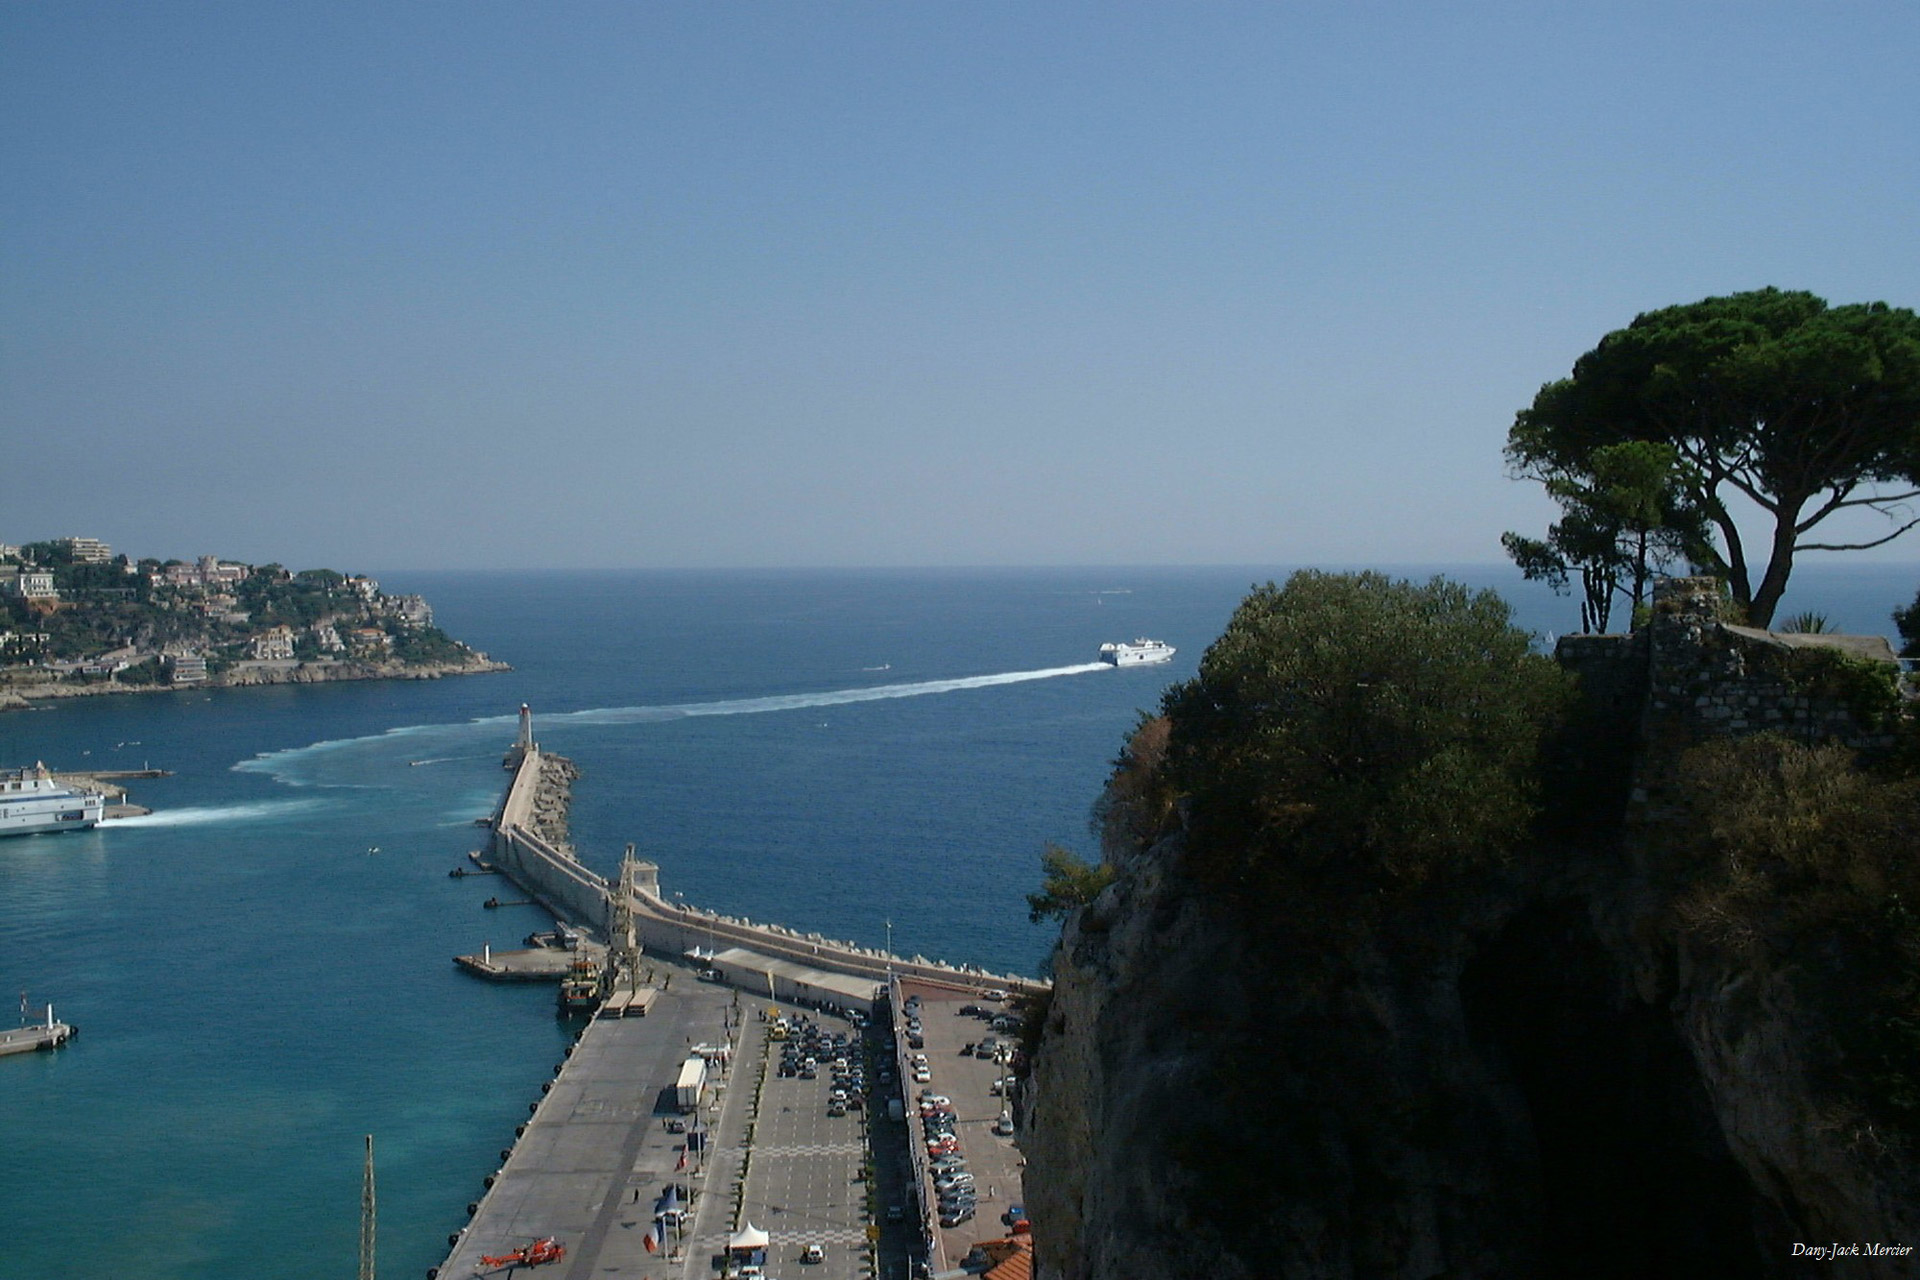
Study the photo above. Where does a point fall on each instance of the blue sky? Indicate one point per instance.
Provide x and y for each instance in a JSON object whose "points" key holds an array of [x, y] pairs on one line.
{"points": [[469, 285]]}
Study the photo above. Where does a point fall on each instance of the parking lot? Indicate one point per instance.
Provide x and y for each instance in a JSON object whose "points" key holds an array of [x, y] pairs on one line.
{"points": [[967, 1082], [805, 1185]]}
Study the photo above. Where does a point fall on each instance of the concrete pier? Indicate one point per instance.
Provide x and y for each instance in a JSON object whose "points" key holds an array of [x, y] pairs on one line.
{"points": [[597, 1151], [49, 1035]]}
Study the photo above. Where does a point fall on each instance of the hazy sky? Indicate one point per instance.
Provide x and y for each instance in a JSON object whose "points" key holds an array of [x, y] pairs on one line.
{"points": [[470, 284]]}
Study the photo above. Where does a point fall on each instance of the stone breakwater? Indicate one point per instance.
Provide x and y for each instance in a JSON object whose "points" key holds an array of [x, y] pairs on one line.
{"points": [[552, 801], [551, 873], [21, 694]]}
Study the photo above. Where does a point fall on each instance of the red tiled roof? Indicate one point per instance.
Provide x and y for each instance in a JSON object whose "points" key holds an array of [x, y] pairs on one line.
{"points": [[1017, 1265]]}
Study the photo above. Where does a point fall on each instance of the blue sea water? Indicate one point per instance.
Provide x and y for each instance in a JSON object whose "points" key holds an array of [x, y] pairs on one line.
{"points": [[847, 752]]}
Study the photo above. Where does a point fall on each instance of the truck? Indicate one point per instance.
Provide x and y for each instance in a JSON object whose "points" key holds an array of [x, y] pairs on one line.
{"points": [[692, 1083]]}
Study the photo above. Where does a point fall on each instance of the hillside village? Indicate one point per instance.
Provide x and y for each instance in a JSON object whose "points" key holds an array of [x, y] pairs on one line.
{"points": [[75, 617]]}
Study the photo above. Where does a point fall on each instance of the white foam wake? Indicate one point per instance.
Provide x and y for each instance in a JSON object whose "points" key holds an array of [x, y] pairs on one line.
{"points": [[827, 698], [281, 764], [213, 815]]}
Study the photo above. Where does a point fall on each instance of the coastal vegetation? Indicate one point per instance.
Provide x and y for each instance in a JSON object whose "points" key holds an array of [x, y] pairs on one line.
{"points": [[1805, 410], [1352, 730], [1789, 849], [1447, 955], [1907, 621]]}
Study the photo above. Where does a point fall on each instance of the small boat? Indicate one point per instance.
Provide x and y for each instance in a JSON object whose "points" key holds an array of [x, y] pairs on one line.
{"points": [[580, 989], [545, 1249]]}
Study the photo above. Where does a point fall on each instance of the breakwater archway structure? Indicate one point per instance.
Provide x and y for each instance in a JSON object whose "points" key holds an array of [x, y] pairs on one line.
{"points": [[554, 876]]}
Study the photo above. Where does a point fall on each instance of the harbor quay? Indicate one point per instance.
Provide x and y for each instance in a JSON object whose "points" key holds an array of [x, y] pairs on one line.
{"points": [[684, 1135], [597, 1152]]}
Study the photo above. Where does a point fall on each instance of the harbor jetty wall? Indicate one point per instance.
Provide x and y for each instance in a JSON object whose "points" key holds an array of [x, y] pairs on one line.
{"points": [[550, 874], [557, 879]]}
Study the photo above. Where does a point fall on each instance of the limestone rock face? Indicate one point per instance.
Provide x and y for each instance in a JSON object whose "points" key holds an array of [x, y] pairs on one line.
{"points": [[1531, 1084], [1206, 1103]]}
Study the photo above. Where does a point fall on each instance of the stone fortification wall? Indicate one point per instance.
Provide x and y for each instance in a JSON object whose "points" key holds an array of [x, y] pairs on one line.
{"points": [[1718, 679], [1688, 675]]}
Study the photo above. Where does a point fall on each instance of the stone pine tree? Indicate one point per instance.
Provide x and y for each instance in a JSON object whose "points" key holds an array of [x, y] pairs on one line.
{"points": [[1626, 517], [1768, 398]]}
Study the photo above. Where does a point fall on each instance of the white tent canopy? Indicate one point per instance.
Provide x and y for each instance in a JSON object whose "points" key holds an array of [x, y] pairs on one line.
{"points": [[749, 1237]]}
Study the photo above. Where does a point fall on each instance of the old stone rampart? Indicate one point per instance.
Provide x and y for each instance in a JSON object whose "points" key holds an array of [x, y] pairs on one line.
{"points": [[1691, 676]]}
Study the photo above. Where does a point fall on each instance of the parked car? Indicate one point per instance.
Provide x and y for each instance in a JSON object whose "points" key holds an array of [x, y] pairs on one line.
{"points": [[958, 1216]]}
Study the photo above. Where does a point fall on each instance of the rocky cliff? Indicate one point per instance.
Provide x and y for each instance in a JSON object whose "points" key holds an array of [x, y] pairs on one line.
{"points": [[1546, 1068]]}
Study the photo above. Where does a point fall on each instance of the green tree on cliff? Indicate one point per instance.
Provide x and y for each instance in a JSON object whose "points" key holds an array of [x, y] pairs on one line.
{"points": [[1352, 730], [1805, 411], [1068, 883], [1907, 620], [1627, 517]]}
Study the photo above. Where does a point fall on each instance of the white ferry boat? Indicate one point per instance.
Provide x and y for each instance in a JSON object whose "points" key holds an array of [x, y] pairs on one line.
{"points": [[31, 801], [1132, 655]]}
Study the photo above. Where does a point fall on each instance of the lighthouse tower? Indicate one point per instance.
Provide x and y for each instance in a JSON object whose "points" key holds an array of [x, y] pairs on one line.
{"points": [[523, 742]]}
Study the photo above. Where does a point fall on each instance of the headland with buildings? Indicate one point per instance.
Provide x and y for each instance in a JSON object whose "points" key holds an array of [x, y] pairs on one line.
{"points": [[76, 620]]}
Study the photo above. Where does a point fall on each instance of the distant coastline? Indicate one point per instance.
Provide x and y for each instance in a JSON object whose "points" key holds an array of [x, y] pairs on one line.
{"points": [[21, 694]]}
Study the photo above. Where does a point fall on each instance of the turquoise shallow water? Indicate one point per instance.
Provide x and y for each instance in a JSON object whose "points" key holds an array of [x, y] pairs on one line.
{"points": [[256, 990]]}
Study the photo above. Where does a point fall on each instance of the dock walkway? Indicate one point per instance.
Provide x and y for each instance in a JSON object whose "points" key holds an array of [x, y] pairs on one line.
{"points": [[597, 1152]]}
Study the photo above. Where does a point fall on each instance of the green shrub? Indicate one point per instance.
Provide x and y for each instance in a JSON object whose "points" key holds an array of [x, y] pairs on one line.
{"points": [[1361, 734]]}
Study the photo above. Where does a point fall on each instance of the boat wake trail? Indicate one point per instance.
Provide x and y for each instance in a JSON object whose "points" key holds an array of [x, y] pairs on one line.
{"points": [[220, 815], [801, 701], [294, 766]]}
